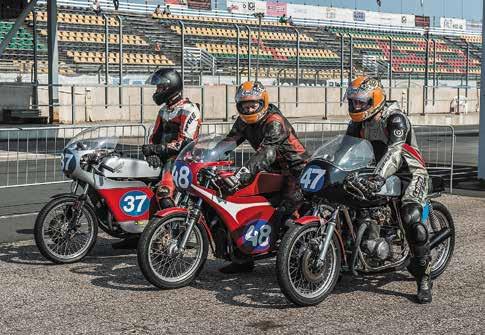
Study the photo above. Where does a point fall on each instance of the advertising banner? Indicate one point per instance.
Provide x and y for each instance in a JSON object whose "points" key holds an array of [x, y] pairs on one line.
{"points": [[199, 4], [452, 23], [472, 25], [349, 15], [246, 6], [276, 8]]}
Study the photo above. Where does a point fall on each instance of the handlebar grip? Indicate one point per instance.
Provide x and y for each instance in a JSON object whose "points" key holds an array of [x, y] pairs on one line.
{"points": [[230, 183], [106, 167]]}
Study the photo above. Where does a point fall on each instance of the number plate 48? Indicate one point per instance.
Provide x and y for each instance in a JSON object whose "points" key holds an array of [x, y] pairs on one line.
{"points": [[182, 176], [312, 179]]}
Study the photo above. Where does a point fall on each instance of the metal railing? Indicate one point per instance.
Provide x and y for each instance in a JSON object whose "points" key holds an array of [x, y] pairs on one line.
{"points": [[32, 156]]}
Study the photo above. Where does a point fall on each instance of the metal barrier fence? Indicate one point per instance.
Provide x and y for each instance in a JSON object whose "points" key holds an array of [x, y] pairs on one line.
{"points": [[31, 156]]}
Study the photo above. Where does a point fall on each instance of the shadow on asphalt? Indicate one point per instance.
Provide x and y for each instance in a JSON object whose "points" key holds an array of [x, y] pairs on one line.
{"points": [[118, 270]]}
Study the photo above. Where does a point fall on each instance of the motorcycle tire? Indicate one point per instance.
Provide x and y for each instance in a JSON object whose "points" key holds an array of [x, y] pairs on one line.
{"points": [[167, 253], [63, 249], [293, 260]]}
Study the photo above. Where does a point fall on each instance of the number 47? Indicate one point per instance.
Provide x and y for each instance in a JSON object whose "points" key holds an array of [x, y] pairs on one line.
{"points": [[310, 182]]}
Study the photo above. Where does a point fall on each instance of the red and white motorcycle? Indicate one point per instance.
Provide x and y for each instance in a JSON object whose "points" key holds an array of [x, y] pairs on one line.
{"points": [[110, 190], [174, 246]]}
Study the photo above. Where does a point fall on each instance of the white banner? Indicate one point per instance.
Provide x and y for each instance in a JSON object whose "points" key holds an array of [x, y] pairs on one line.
{"points": [[349, 15], [246, 6], [452, 23]]}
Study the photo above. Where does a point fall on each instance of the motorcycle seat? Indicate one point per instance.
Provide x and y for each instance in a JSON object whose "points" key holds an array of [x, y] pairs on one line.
{"points": [[263, 183]]}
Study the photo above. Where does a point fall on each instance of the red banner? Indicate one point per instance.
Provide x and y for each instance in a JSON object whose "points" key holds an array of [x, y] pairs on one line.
{"points": [[276, 8], [199, 4], [422, 21]]}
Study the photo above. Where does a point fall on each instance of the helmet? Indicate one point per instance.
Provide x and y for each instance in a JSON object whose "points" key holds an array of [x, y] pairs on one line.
{"points": [[169, 85], [366, 97], [252, 91]]}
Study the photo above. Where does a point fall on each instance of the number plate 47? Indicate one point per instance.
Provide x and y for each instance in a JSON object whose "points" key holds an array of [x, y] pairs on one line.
{"points": [[312, 179]]}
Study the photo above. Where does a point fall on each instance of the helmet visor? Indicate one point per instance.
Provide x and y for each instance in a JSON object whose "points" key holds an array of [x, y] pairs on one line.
{"points": [[359, 99], [156, 79], [250, 107]]}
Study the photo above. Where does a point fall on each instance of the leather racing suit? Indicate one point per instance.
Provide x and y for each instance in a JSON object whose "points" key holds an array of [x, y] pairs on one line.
{"points": [[176, 125], [278, 149], [396, 150]]}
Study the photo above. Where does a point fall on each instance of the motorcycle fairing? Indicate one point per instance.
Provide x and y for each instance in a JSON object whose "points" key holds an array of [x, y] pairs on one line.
{"points": [[128, 203], [239, 214]]}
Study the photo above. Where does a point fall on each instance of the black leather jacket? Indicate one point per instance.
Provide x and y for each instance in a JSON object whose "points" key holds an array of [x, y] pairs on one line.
{"points": [[275, 141]]}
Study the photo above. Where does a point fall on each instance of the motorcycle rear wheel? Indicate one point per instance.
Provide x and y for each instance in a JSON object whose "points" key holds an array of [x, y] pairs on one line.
{"points": [[160, 261], [56, 240], [441, 255], [299, 281]]}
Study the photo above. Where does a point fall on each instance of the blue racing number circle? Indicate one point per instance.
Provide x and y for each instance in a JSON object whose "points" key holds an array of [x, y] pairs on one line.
{"points": [[68, 161], [134, 203], [257, 235], [312, 178], [182, 176]]}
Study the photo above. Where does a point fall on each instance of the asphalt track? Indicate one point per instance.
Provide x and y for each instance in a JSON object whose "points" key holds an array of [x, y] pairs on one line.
{"points": [[107, 294]]}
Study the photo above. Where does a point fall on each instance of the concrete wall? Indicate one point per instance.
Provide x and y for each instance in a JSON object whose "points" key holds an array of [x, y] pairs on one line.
{"points": [[217, 102]]}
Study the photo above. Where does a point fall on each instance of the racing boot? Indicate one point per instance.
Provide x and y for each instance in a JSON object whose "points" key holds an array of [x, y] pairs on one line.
{"points": [[129, 243], [234, 267], [421, 269]]}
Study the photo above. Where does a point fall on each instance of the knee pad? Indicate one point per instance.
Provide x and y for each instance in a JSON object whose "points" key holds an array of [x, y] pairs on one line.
{"points": [[411, 214], [418, 234]]}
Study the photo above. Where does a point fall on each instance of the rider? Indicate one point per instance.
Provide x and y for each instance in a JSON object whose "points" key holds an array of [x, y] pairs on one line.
{"points": [[277, 149], [177, 124], [395, 147]]}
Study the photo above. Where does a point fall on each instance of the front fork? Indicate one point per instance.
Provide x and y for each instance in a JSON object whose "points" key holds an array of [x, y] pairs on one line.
{"points": [[328, 234], [192, 218], [78, 204]]}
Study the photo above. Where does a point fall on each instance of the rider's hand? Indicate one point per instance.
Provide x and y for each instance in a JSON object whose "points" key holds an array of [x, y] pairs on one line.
{"points": [[370, 185], [375, 183], [234, 182], [152, 149], [154, 161]]}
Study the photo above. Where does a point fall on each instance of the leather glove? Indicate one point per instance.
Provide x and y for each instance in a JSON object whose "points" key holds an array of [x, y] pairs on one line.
{"points": [[154, 161], [232, 183], [152, 149], [370, 185]]}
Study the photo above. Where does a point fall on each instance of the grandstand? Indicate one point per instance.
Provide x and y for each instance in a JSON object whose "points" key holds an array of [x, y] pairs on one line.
{"points": [[152, 40]]}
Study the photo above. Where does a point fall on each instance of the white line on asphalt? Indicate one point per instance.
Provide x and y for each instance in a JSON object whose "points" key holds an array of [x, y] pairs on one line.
{"points": [[17, 215]]}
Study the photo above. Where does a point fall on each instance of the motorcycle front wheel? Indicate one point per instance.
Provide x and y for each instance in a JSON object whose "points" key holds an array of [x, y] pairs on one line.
{"points": [[301, 280], [62, 238], [159, 258]]}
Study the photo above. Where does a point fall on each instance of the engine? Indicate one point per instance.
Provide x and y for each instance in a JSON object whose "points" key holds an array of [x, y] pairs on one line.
{"points": [[379, 234]]}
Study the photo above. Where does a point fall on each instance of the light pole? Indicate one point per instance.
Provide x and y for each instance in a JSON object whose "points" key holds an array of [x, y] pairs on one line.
{"points": [[260, 17]]}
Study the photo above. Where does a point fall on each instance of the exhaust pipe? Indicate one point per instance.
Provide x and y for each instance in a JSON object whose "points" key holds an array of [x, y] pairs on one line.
{"points": [[439, 237]]}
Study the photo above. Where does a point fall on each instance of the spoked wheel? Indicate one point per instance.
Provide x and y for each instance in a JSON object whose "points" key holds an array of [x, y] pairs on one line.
{"points": [[302, 279], [62, 234], [162, 262], [439, 219]]}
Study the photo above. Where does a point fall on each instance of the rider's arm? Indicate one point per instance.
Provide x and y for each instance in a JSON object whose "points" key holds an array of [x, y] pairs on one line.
{"points": [[274, 134], [235, 134], [153, 137], [189, 131], [398, 127], [354, 128]]}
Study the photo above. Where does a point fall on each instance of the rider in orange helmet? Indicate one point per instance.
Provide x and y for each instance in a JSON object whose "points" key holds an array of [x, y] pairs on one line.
{"points": [[395, 147], [277, 147]]}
